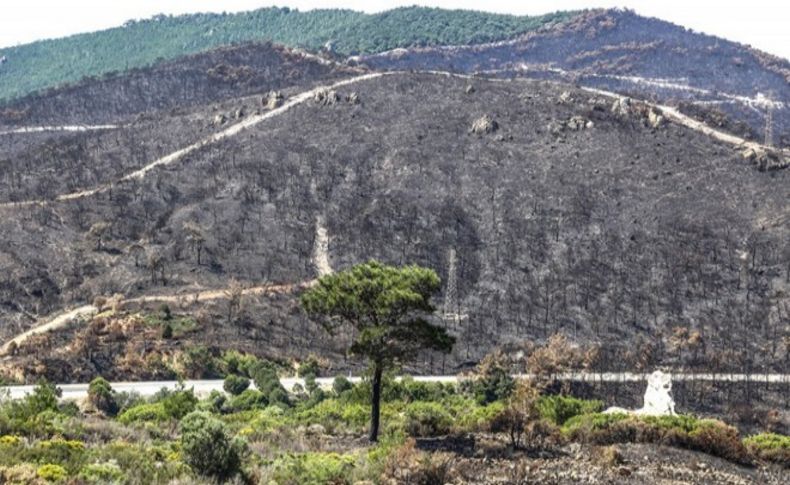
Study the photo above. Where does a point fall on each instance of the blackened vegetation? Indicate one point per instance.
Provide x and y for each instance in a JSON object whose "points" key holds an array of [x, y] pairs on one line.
{"points": [[623, 52], [659, 244], [216, 75]]}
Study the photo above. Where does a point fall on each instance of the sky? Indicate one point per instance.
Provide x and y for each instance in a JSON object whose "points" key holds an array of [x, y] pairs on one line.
{"points": [[764, 24]]}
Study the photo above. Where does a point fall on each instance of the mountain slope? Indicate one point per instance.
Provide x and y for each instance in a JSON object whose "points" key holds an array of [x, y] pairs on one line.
{"points": [[213, 76], [137, 44], [573, 213], [620, 51]]}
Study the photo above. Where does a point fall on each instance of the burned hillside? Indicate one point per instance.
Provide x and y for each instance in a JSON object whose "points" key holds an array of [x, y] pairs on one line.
{"points": [[620, 51], [216, 75], [570, 217]]}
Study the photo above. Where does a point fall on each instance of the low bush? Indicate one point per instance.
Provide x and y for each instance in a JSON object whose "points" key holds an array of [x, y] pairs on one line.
{"points": [[717, 439], [235, 362], [139, 463], [198, 363], [309, 367], [208, 449], [144, 412], [126, 400], [247, 400], [709, 436], [102, 397], [313, 469], [235, 385], [341, 385], [480, 418], [43, 398], [495, 385], [607, 456], [102, 473], [578, 425], [268, 382], [559, 409], [407, 464], [22, 473], [333, 414], [427, 419], [52, 473], [770, 446], [409, 390], [179, 403], [267, 420], [69, 454]]}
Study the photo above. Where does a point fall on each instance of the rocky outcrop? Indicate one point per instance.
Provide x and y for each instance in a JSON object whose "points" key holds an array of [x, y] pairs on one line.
{"points": [[326, 97], [484, 125]]}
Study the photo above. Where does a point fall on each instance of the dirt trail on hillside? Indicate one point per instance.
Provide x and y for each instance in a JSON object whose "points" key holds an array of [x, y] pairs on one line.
{"points": [[58, 322], [321, 248], [202, 296], [64, 319], [674, 115], [179, 154], [67, 128]]}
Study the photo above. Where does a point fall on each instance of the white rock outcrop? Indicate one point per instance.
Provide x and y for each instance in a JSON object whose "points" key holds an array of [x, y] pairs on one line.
{"points": [[658, 397]]}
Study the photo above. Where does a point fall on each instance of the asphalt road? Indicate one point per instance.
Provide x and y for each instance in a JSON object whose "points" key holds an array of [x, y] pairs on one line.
{"points": [[205, 387]]}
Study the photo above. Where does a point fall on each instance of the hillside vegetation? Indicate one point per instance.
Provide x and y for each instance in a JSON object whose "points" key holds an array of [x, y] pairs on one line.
{"points": [[432, 433], [49, 63]]}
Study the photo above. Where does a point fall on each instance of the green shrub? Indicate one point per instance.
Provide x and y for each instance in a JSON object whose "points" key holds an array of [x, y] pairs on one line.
{"points": [[479, 418], [165, 313], [409, 390], [279, 397], [207, 449], [140, 464], [265, 377], [333, 414], [341, 385], [214, 403], [427, 419], [103, 473], [126, 400], [717, 439], [267, 381], [235, 362], [179, 403], [495, 385], [592, 422], [308, 368], [247, 400], [102, 397], [269, 419], [770, 446], [144, 412], [52, 473], [559, 409], [767, 441], [313, 468], [198, 363], [235, 385], [10, 440], [707, 435], [70, 454], [43, 398]]}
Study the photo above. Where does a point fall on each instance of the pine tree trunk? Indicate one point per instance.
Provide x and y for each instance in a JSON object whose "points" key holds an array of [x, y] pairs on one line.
{"points": [[375, 408]]}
